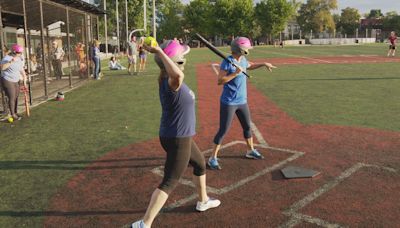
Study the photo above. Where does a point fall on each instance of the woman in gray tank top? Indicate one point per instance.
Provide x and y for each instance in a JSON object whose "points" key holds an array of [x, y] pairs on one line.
{"points": [[177, 128]]}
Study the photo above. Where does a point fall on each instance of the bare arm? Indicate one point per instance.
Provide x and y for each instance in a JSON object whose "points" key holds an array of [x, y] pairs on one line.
{"points": [[175, 74], [224, 78], [254, 66], [6, 65]]}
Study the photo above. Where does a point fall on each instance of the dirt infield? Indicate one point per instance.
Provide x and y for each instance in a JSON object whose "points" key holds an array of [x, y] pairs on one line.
{"points": [[358, 186]]}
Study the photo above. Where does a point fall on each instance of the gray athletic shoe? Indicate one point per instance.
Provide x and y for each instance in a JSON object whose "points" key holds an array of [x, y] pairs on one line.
{"points": [[210, 203]]}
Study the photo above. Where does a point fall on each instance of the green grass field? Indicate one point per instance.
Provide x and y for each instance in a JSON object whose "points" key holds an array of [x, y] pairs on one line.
{"points": [[38, 155]]}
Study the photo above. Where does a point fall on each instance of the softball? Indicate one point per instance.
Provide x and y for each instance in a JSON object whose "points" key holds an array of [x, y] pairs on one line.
{"points": [[150, 41], [10, 119]]}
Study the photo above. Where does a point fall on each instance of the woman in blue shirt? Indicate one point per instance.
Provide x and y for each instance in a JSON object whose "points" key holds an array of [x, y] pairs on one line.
{"points": [[177, 127], [96, 59], [234, 98], [12, 71]]}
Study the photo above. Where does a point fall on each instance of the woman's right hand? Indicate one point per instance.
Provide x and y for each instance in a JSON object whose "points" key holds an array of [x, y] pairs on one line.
{"points": [[150, 49], [238, 70]]}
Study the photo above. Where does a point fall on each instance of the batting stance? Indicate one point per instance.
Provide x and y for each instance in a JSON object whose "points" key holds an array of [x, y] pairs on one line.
{"points": [[234, 98], [178, 123]]}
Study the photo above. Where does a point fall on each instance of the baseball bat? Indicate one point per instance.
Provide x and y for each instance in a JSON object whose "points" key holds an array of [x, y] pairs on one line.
{"points": [[218, 52], [26, 96]]}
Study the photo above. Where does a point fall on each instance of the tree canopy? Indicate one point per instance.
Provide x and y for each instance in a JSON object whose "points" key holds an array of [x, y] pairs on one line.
{"points": [[316, 15], [272, 15], [349, 20]]}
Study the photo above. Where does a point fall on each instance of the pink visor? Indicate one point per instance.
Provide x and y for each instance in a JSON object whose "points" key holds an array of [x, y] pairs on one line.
{"points": [[174, 48]]}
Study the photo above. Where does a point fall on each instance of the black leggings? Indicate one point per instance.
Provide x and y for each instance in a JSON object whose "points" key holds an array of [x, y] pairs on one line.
{"points": [[225, 119], [180, 153], [12, 92]]}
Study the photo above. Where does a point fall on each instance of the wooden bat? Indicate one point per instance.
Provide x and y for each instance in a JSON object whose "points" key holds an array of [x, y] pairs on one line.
{"points": [[218, 52], [24, 88]]}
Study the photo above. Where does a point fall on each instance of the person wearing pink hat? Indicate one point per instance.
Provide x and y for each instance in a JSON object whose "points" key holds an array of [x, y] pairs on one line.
{"points": [[12, 71], [234, 98], [177, 128]]}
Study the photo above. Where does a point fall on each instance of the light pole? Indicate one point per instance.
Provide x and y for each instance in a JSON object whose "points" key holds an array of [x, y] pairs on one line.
{"points": [[126, 19], [117, 17], [154, 20], [144, 15], [105, 26]]}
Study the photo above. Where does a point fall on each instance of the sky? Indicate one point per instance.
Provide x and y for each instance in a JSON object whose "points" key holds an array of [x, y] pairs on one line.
{"points": [[363, 6]]}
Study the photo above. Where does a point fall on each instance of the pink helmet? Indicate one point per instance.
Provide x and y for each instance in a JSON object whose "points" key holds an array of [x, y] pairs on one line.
{"points": [[241, 45], [17, 48], [175, 51]]}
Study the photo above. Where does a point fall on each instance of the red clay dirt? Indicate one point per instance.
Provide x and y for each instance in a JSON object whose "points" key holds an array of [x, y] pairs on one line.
{"points": [[115, 189]]}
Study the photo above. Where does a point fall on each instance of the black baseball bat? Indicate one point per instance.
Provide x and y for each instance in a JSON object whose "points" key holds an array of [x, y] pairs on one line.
{"points": [[218, 52]]}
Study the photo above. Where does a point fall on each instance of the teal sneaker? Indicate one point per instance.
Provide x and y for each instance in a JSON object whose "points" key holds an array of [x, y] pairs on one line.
{"points": [[213, 163], [254, 154]]}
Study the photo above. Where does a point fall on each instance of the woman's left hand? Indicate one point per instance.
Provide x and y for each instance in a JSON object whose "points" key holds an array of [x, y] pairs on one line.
{"points": [[269, 66]]}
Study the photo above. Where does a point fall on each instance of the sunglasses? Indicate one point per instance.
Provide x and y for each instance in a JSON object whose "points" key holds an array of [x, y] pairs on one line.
{"points": [[181, 62]]}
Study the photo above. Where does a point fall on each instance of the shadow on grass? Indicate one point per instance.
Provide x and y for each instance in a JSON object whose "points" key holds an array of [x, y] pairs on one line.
{"points": [[79, 165], [66, 213], [341, 79]]}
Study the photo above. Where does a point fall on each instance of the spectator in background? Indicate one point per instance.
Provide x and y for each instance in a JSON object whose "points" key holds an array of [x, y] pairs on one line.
{"points": [[81, 58], [35, 66], [39, 51], [96, 59], [142, 57], [115, 65], [392, 47], [57, 56], [12, 71], [131, 52]]}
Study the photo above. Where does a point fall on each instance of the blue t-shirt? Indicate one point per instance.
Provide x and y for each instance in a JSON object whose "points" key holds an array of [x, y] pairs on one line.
{"points": [[13, 72], [95, 52], [178, 117], [235, 91]]}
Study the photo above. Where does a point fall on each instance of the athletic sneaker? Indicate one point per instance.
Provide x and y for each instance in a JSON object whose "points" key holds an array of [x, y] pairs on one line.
{"points": [[213, 163], [254, 154], [138, 224], [211, 203]]}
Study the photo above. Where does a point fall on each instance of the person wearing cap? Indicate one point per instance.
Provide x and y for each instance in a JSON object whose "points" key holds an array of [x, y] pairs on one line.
{"points": [[177, 128], [392, 47], [234, 98], [57, 55], [12, 71]]}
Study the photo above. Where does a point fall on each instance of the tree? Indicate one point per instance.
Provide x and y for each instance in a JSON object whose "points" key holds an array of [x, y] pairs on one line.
{"points": [[391, 14], [315, 15], [232, 17], [170, 19], [375, 14], [392, 24], [198, 17], [135, 17], [349, 20], [273, 15]]}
